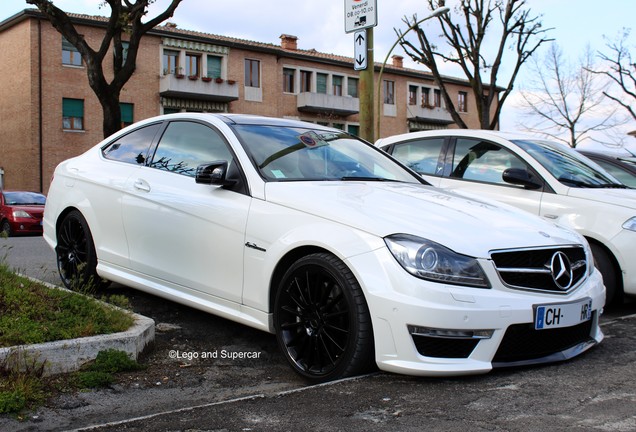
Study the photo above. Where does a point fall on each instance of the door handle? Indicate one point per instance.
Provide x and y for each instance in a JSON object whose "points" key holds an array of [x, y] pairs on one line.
{"points": [[142, 185]]}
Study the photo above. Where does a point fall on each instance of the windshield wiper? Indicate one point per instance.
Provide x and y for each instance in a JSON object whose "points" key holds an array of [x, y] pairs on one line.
{"points": [[361, 178], [581, 184], [610, 186]]}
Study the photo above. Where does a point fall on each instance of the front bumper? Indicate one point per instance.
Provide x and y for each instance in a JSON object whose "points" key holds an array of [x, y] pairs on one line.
{"points": [[430, 329]]}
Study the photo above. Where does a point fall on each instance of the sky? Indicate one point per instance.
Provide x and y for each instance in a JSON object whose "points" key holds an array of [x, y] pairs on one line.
{"points": [[320, 24]]}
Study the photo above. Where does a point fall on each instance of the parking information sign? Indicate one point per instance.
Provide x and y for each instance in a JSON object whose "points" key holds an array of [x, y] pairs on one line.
{"points": [[360, 14]]}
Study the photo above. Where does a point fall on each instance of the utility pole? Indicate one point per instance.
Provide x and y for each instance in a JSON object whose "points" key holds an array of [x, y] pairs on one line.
{"points": [[367, 105], [360, 17]]}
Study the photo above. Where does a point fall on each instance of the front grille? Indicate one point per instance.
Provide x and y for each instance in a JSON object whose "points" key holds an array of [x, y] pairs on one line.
{"points": [[533, 268], [444, 347], [523, 343]]}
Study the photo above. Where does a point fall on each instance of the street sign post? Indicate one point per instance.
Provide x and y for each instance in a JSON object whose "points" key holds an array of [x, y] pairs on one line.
{"points": [[360, 50], [360, 14]]}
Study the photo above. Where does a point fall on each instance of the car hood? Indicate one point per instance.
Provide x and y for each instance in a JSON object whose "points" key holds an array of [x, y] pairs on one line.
{"points": [[467, 226], [620, 197]]}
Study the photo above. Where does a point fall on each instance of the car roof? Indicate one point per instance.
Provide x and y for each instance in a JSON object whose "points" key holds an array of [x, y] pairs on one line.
{"points": [[242, 119], [629, 162], [474, 133]]}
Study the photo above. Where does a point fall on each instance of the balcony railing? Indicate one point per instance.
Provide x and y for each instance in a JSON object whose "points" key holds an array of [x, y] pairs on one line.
{"points": [[321, 103], [187, 88], [429, 113]]}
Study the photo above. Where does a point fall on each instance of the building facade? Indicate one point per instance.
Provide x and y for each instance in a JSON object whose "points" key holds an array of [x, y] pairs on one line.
{"points": [[49, 113]]}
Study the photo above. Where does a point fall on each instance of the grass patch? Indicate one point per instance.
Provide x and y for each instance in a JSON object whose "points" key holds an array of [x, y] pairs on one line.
{"points": [[25, 390], [33, 313], [99, 373]]}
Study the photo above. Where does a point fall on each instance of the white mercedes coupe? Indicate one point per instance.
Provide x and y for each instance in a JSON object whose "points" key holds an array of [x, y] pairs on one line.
{"points": [[349, 257]]}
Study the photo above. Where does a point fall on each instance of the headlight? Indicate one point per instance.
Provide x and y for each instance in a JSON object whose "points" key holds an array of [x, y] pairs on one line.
{"points": [[630, 224], [431, 261], [20, 214]]}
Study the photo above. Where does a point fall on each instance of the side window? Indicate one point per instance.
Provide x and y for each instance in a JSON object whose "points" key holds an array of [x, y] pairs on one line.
{"points": [[483, 161], [186, 145], [422, 155], [133, 147]]}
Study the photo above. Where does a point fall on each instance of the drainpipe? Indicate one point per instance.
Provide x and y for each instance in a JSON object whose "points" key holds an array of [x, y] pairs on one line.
{"points": [[40, 121]]}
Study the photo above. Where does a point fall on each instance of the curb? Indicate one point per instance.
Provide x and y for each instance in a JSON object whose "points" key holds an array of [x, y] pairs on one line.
{"points": [[69, 355]]}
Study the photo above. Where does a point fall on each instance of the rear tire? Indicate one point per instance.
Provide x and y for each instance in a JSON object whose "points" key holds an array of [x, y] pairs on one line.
{"points": [[76, 256], [322, 320]]}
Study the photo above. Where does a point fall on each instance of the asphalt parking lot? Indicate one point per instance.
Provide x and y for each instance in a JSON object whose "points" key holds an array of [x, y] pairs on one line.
{"points": [[206, 373]]}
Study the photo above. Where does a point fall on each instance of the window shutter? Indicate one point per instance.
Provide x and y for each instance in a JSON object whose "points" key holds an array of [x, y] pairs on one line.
{"points": [[214, 66], [72, 107]]}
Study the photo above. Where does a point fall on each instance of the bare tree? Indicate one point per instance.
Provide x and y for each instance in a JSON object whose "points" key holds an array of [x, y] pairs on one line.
{"points": [[622, 71], [468, 42], [125, 21], [566, 98]]}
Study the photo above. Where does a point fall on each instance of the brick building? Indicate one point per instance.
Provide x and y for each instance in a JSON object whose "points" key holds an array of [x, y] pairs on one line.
{"points": [[49, 113]]}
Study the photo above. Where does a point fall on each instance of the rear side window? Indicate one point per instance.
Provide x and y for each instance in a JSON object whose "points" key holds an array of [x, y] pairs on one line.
{"points": [[422, 156], [133, 147], [186, 145]]}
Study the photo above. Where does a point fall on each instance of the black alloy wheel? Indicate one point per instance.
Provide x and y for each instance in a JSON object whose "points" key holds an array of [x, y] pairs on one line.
{"points": [[76, 257], [322, 320]]}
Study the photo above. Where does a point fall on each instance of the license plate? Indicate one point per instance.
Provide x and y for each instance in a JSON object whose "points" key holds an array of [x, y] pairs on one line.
{"points": [[558, 315]]}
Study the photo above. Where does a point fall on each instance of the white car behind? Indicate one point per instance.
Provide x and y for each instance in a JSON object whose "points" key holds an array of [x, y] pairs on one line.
{"points": [[542, 177]]}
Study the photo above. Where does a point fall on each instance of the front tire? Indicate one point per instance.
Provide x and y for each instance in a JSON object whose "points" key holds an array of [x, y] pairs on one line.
{"points": [[76, 256], [5, 228], [603, 262], [322, 320]]}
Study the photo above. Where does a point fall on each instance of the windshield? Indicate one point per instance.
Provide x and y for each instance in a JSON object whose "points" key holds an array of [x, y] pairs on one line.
{"points": [[24, 198], [567, 166], [282, 153]]}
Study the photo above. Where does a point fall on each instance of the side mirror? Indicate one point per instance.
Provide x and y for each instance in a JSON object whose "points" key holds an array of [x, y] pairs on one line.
{"points": [[213, 173], [520, 176]]}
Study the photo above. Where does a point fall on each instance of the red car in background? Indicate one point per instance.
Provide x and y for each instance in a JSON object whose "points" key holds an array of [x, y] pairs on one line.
{"points": [[21, 212]]}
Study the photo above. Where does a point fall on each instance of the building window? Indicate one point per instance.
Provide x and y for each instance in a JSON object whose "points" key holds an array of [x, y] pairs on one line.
{"points": [[124, 51], [412, 95], [70, 54], [126, 110], [193, 65], [171, 62], [321, 83], [353, 129], [214, 66], [72, 114], [288, 80], [437, 98], [352, 87], [305, 81], [389, 92], [462, 104], [426, 97], [252, 73], [336, 85]]}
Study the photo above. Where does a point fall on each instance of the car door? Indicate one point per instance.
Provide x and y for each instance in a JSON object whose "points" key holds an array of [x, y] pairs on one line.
{"points": [[477, 166], [187, 234]]}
